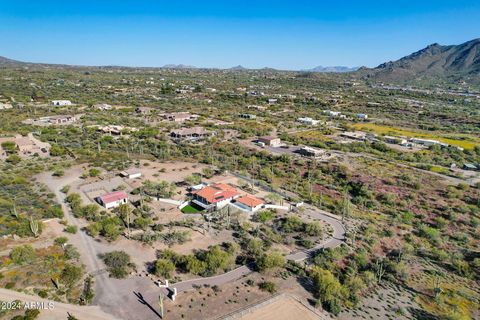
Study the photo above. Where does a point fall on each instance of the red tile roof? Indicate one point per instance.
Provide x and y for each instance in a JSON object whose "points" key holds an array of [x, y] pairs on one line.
{"points": [[250, 201], [113, 197], [217, 192]]}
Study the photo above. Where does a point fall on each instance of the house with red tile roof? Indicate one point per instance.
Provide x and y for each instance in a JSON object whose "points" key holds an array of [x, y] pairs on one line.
{"points": [[112, 199], [215, 196]]}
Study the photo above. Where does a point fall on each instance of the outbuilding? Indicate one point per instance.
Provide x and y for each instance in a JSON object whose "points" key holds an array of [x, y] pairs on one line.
{"points": [[131, 174], [112, 199]]}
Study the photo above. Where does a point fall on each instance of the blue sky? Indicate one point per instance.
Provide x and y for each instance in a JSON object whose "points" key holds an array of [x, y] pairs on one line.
{"points": [[281, 34]]}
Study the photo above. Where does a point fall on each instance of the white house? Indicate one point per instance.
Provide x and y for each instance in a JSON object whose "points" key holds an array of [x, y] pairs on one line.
{"points": [[113, 199], [249, 203], [215, 196], [427, 142], [61, 103], [4, 106], [362, 116], [131, 174], [308, 121], [332, 113], [102, 106]]}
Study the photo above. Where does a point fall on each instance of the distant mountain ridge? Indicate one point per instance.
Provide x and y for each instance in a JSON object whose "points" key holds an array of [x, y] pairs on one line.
{"points": [[456, 62], [9, 62], [335, 69], [238, 68], [433, 60], [178, 66]]}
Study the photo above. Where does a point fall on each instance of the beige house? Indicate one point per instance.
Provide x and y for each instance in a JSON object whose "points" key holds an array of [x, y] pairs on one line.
{"points": [[270, 141], [179, 116], [194, 133]]}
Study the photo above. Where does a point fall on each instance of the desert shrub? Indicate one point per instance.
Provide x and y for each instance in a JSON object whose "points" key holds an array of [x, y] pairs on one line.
{"points": [[269, 261], [264, 216], [118, 263], [71, 229], [23, 254], [164, 268], [71, 274], [268, 287]]}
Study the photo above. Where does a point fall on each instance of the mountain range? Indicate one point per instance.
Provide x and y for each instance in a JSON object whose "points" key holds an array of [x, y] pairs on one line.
{"points": [[435, 60], [178, 66], [9, 62]]}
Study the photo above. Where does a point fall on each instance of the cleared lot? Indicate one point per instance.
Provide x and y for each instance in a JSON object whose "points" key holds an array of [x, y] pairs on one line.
{"points": [[282, 307]]}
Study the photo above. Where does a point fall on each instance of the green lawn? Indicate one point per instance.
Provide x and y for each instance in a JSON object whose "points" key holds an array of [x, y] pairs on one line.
{"points": [[191, 209]]}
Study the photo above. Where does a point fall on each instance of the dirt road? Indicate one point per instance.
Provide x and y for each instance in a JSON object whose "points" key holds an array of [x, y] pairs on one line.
{"points": [[58, 310], [137, 297]]}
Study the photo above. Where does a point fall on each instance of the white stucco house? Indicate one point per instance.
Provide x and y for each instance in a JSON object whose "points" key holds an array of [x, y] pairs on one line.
{"points": [[249, 203]]}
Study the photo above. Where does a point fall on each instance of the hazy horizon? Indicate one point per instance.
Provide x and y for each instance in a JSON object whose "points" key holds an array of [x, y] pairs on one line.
{"points": [[279, 35]]}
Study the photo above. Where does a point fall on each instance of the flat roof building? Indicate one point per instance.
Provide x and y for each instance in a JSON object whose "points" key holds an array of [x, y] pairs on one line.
{"points": [[308, 121], [131, 174], [270, 141], [193, 133]]}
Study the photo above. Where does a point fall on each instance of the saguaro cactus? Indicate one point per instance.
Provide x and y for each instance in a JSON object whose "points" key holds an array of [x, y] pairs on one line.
{"points": [[379, 270], [15, 212], [34, 227], [160, 304]]}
